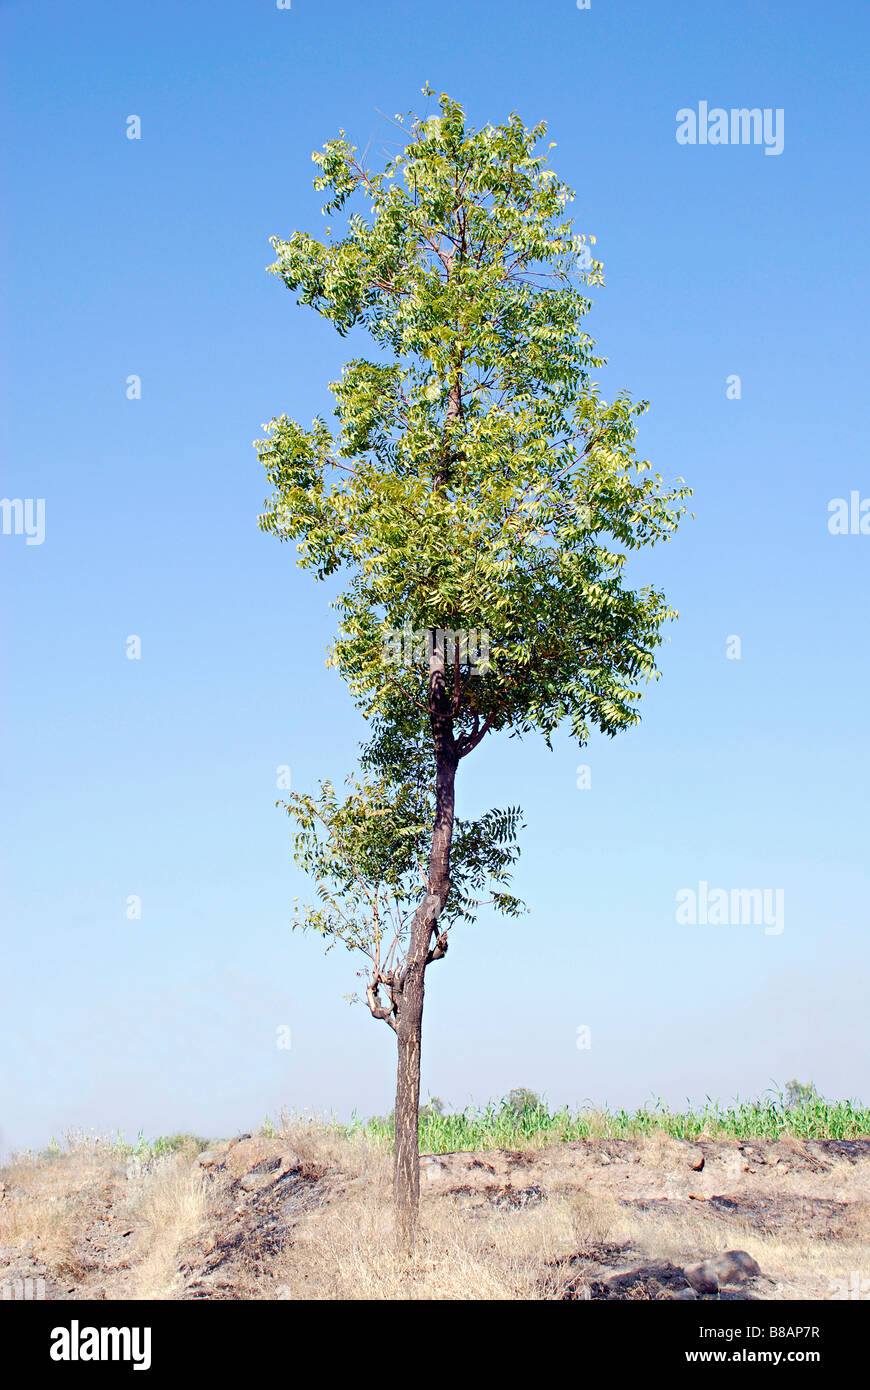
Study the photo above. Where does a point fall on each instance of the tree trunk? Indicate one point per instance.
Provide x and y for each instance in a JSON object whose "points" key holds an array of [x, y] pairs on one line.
{"points": [[409, 1016], [406, 1167]]}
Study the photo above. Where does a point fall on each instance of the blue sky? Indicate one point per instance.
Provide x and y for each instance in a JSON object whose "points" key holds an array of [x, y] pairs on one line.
{"points": [[157, 777]]}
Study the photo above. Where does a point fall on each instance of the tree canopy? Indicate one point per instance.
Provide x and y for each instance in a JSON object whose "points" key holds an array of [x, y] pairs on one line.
{"points": [[477, 480]]}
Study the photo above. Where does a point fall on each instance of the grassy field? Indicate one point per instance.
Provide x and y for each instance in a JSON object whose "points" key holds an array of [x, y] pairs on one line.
{"points": [[503, 1126]]}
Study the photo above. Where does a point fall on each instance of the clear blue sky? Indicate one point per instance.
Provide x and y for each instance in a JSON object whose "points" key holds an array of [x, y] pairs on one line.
{"points": [[157, 777]]}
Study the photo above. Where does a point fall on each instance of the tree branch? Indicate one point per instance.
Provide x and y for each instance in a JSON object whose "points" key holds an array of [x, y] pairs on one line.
{"points": [[466, 742]]}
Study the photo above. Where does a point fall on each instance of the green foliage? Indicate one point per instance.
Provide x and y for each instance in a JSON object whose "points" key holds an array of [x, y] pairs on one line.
{"points": [[502, 1126], [522, 1101], [430, 1113], [477, 479], [798, 1093], [366, 853], [143, 1149], [169, 1144]]}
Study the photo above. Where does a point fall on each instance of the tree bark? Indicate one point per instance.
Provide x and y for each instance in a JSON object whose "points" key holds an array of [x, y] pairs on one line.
{"points": [[406, 1163], [409, 1015]]}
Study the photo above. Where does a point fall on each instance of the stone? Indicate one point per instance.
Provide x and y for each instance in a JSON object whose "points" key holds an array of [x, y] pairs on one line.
{"points": [[732, 1267], [735, 1267], [255, 1182], [698, 1164], [702, 1277], [247, 1154], [685, 1294], [209, 1157]]}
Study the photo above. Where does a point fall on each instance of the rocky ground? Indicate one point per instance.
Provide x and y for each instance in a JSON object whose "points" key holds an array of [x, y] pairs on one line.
{"points": [[765, 1191], [293, 1216]]}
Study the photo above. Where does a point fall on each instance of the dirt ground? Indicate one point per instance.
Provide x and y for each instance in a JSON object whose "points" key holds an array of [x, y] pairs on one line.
{"points": [[306, 1214]]}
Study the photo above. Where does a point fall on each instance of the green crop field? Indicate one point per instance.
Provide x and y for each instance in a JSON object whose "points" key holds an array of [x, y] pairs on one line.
{"points": [[503, 1126]]}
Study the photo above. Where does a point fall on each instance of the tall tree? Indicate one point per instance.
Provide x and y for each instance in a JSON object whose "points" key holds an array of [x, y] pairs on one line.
{"points": [[480, 494]]}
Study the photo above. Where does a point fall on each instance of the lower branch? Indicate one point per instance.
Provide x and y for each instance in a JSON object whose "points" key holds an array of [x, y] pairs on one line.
{"points": [[376, 1008]]}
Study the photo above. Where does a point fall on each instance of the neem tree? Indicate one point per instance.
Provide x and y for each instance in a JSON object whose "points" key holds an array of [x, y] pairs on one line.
{"points": [[477, 484]]}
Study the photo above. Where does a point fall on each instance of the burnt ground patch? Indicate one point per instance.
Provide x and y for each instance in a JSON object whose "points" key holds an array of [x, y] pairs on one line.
{"points": [[768, 1214]]}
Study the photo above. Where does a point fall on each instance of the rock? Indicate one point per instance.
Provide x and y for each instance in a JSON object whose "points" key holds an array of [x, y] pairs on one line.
{"points": [[735, 1267], [247, 1154], [685, 1294], [209, 1157], [702, 1277], [255, 1182], [698, 1164]]}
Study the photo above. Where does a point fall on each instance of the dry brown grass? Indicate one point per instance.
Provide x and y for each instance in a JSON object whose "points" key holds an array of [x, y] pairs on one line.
{"points": [[327, 1146], [346, 1250], [50, 1201], [471, 1251], [71, 1212], [170, 1209], [85, 1218]]}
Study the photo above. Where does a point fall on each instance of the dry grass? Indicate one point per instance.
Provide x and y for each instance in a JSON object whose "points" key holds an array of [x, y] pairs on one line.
{"points": [[347, 1252], [345, 1249], [785, 1258], [71, 1213], [170, 1209], [327, 1145], [109, 1230], [52, 1201]]}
